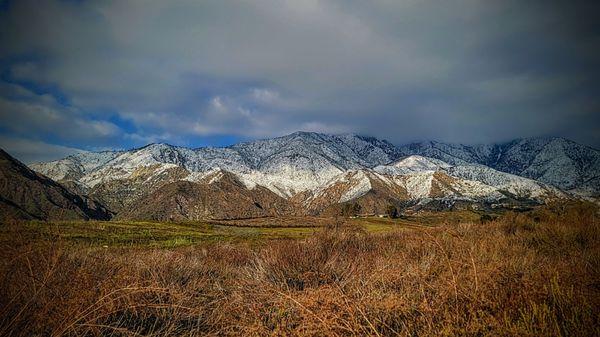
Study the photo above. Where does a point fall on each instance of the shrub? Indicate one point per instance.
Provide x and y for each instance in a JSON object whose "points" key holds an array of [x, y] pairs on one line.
{"points": [[351, 209], [392, 212]]}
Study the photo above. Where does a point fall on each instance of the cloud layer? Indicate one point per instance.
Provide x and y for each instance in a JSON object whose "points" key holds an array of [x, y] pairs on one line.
{"points": [[105, 74]]}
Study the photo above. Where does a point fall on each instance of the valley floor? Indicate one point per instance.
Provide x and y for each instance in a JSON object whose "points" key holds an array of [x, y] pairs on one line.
{"points": [[256, 231], [526, 274]]}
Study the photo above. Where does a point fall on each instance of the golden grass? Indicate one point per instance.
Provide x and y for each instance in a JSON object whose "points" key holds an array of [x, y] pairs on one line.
{"points": [[533, 274]]}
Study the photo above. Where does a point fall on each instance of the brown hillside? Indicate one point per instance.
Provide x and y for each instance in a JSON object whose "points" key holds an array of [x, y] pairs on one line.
{"points": [[25, 194], [118, 194], [219, 197]]}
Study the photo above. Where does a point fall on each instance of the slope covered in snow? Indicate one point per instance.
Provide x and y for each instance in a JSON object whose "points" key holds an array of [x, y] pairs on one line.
{"points": [[318, 170], [462, 182], [74, 166], [411, 164], [552, 160], [287, 165]]}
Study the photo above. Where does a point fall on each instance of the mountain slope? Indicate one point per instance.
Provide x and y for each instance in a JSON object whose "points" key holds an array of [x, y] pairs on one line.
{"points": [[506, 183], [219, 195], [411, 164], [118, 194], [417, 179], [556, 161], [75, 166], [25, 194]]}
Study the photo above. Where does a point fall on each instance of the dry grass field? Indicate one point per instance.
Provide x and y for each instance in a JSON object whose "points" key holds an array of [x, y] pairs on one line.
{"points": [[526, 274]]}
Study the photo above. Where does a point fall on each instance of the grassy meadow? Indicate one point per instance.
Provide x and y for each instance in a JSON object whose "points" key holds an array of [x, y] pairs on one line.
{"points": [[170, 235], [432, 274]]}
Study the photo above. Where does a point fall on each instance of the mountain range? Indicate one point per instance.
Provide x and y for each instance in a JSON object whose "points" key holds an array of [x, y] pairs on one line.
{"points": [[307, 173]]}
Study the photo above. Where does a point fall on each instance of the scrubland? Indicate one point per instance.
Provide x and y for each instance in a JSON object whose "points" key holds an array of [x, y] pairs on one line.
{"points": [[520, 274]]}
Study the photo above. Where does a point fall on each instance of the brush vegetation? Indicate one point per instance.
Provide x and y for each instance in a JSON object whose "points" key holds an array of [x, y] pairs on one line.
{"points": [[517, 274]]}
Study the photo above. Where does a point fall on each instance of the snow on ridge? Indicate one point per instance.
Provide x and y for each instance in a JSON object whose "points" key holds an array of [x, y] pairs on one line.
{"points": [[305, 161], [200, 176], [411, 164], [361, 184], [73, 167], [421, 163], [419, 184], [552, 160], [286, 165], [477, 180]]}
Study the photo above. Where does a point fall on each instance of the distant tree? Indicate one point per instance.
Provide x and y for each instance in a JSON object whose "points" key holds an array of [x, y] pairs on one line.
{"points": [[392, 212], [346, 210], [356, 209], [351, 209]]}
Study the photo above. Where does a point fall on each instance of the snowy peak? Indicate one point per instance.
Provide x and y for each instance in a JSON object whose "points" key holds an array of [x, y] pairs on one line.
{"points": [[373, 192], [156, 153], [419, 163], [343, 151], [75, 166], [411, 164], [454, 154], [556, 161]]}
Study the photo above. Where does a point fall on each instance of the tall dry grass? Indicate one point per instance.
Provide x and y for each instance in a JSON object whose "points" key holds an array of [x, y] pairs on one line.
{"points": [[520, 275]]}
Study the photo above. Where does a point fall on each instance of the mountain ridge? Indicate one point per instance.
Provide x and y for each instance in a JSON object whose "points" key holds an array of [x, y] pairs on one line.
{"points": [[553, 160], [299, 166], [507, 157]]}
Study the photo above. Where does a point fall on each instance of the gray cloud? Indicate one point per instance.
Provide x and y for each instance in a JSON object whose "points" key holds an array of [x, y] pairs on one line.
{"points": [[29, 114], [30, 151], [462, 71]]}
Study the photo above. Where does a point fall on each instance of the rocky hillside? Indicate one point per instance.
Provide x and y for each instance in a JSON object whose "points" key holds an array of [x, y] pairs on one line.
{"points": [[219, 195], [25, 194]]}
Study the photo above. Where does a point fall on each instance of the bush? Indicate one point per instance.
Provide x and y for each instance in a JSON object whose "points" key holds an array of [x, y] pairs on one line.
{"points": [[392, 212], [485, 218], [351, 209]]}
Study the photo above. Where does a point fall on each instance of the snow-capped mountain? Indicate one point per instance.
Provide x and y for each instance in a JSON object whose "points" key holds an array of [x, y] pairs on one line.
{"points": [[286, 165], [415, 179], [374, 191], [552, 160], [316, 170]]}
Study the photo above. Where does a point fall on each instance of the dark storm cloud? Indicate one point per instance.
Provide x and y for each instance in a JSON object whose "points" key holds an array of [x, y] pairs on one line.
{"points": [[124, 73]]}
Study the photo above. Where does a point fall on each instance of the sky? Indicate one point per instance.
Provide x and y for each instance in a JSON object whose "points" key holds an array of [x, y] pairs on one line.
{"points": [[93, 75]]}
